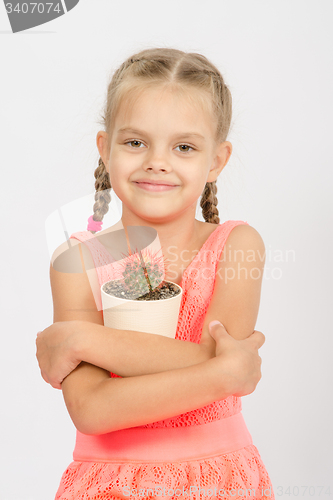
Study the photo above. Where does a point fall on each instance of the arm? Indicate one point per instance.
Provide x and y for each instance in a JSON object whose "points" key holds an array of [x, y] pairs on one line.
{"points": [[98, 404], [62, 346], [130, 353], [236, 299], [107, 405]]}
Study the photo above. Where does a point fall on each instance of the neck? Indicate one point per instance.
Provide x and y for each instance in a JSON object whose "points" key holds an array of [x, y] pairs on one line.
{"points": [[176, 236]]}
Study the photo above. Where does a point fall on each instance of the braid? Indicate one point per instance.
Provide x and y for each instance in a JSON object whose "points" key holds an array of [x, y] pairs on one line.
{"points": [[102, 194], [208, 203]]}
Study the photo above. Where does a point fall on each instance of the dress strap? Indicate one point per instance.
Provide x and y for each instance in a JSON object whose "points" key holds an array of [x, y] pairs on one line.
{"points": [[221, 235]]}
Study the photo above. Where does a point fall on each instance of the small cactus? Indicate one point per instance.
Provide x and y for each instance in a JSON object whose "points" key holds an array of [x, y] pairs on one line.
{"points": [[142, 272]]}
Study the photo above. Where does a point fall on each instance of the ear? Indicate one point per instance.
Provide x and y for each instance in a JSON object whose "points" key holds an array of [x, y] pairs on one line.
{"points": [[102, 141], [222, 154]]}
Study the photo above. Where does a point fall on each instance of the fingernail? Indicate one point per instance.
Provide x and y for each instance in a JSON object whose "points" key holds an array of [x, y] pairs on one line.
{"points": [[215, 322], [38, 333]]}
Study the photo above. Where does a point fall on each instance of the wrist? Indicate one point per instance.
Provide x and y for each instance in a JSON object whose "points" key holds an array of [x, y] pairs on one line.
{"points": [[81, 340], [222, 382]]}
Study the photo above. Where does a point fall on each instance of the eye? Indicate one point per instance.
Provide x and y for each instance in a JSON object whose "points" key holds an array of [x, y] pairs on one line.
{"points": [[186, 146], [134, 141], [136, 144]]}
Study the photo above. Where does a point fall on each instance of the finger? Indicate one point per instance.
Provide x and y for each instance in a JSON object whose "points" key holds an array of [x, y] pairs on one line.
{"points": [[44, 377], [258, 338], [216, 326], [55, 385]]}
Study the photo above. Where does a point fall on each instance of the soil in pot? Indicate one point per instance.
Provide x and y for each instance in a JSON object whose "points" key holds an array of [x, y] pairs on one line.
{"points": [[166, 291]]}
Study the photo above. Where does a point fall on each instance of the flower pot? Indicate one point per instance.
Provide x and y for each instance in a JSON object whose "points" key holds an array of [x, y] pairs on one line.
{"points": [[151, 316]]}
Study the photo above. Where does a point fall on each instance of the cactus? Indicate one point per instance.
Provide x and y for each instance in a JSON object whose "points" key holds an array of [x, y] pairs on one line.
{"points": [[142, 272]]}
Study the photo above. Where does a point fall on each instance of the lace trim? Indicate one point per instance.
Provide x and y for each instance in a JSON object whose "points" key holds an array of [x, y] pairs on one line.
{"points": [[235, 472]]}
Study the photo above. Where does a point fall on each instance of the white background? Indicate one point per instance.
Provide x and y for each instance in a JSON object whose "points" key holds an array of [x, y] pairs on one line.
{"points": [[276, 58]]}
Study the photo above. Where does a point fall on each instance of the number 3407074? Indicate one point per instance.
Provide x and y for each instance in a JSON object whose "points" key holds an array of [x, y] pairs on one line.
{"points": [[33, 7]]}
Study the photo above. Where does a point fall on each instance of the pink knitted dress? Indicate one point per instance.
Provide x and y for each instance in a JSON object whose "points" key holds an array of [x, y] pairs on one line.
{"points": [[234, 473]]}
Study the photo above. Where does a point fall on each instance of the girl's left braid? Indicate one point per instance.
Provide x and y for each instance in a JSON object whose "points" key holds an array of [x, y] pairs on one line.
{"points": [[209, 202], [102, 198]]}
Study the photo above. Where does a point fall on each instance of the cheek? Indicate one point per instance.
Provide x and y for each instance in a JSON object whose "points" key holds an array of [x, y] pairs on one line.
{"points": [[123, 161], [195, 174], [120, 174]]}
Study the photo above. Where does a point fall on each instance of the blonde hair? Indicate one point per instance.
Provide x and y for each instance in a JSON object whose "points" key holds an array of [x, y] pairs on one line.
{"points": [[173, 67]]}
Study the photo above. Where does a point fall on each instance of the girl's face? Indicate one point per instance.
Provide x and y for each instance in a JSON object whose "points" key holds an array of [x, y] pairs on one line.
{"points": [[162, 137]]}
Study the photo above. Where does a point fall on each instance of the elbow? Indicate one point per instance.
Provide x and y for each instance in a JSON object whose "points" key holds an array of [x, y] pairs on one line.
{"points": [[92, 428], [88, 418], [87, 430], [83, 426], [82, 416], [90, 410]]}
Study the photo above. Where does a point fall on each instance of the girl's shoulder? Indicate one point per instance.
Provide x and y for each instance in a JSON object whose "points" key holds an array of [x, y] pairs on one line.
{"points": [[242, 238], [238, 233], [239, 227], [242, 230]]}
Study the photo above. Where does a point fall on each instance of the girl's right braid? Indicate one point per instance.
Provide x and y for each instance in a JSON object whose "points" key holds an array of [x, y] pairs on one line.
{"points": [[102, 196], [208, 203]]}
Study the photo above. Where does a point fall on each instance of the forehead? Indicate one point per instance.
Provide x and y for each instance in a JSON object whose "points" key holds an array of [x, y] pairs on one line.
{"points": [[161, 105]]}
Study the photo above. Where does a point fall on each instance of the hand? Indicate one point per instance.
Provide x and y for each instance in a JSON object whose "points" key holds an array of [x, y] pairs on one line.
{"points": [[238, 359], [57, 351]]}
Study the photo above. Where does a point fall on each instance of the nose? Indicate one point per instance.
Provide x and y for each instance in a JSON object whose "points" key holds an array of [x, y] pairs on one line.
{"points": [[156, 162]]}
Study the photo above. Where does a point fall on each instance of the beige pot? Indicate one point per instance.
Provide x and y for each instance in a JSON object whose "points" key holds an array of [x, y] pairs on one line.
{"points": [[151, 316]]}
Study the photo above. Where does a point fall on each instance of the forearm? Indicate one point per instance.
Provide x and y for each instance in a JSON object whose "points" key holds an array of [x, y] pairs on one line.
{"points": [[129, 402], [130, 353]]}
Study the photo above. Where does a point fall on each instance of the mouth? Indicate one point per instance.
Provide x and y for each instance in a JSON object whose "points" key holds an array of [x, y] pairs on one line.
{"points": [[147, 186]]}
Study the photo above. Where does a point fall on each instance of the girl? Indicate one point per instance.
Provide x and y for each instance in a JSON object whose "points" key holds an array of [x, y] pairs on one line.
{"points": [[159, 417]]}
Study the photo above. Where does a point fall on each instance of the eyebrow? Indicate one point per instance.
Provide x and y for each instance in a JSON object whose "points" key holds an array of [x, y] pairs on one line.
{"points": [[176, 135]]}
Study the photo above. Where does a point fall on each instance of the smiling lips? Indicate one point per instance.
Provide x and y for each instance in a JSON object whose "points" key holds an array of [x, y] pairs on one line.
{"points": [[154, 185]]}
